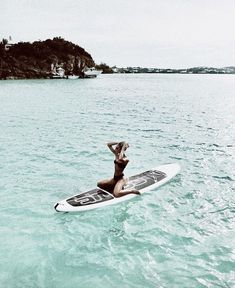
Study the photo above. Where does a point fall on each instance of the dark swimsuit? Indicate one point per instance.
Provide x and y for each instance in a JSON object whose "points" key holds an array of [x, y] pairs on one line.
{"points": [[121, 165], [118, 177], [111, 184]]}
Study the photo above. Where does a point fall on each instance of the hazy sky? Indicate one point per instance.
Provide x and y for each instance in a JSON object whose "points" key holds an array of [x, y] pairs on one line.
{"points": [[150, 33]]}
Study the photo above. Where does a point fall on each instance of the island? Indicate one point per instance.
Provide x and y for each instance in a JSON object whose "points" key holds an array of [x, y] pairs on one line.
{"points": [[52, 58], [194, 70]]}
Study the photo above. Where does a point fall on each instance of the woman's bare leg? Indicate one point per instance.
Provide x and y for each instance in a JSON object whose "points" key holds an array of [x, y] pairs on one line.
{"points": [[118, 192], [105, 184]]}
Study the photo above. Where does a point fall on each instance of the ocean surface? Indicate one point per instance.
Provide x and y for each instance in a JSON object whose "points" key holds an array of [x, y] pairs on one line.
{"points": [[53, 136]]}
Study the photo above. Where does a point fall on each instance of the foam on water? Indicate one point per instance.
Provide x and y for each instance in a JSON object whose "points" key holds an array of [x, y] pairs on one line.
{"points": [[53, 135]]}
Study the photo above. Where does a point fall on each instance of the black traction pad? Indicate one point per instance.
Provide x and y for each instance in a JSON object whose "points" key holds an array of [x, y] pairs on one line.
{"points": [[97, 195]]}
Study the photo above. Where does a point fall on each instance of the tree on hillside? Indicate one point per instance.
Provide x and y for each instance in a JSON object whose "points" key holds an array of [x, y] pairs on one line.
{"points": [[104, 67], [4, 41]]}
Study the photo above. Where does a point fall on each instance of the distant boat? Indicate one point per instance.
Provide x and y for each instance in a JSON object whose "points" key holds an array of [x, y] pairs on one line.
{"points": [[56, 77], [91, 72], [73, 77], [57, 72]]}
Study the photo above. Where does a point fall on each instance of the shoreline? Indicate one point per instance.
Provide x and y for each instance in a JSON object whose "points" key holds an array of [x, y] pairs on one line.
{"points": [[66, 78]]}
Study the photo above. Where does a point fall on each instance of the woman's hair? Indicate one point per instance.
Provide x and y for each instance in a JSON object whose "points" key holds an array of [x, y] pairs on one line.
{"points": [[120, 144]]}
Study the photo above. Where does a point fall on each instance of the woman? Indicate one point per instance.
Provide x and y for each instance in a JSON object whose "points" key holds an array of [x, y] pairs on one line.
{"points": [[116, 184]]}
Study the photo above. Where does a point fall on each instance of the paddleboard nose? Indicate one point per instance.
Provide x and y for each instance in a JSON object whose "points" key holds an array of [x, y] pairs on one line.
{"points": [[59, 207], [55, 206]]}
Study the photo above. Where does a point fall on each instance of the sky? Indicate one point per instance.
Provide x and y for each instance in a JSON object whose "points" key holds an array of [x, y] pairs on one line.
{"points": [[146, 33]]}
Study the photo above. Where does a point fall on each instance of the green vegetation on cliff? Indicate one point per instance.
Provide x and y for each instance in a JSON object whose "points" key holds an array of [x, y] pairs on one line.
{"points": [[35, 60], [105, 68]]}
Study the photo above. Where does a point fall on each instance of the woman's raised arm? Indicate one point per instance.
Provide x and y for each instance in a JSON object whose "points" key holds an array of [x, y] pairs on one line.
{"points": [[110, 145]]}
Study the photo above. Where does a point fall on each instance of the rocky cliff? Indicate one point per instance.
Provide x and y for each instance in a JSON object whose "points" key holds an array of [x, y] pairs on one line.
{"points": [[26, 60]]}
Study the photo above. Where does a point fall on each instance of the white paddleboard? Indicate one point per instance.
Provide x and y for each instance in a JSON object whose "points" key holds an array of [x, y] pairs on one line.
{"points": [[97, 197]]}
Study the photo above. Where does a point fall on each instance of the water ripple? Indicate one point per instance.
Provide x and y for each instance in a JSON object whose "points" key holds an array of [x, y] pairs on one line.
{"points": [[53, 136]]}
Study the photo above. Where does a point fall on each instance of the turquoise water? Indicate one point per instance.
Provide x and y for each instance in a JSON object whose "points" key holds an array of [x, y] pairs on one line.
{"points": [[53, 135]]}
